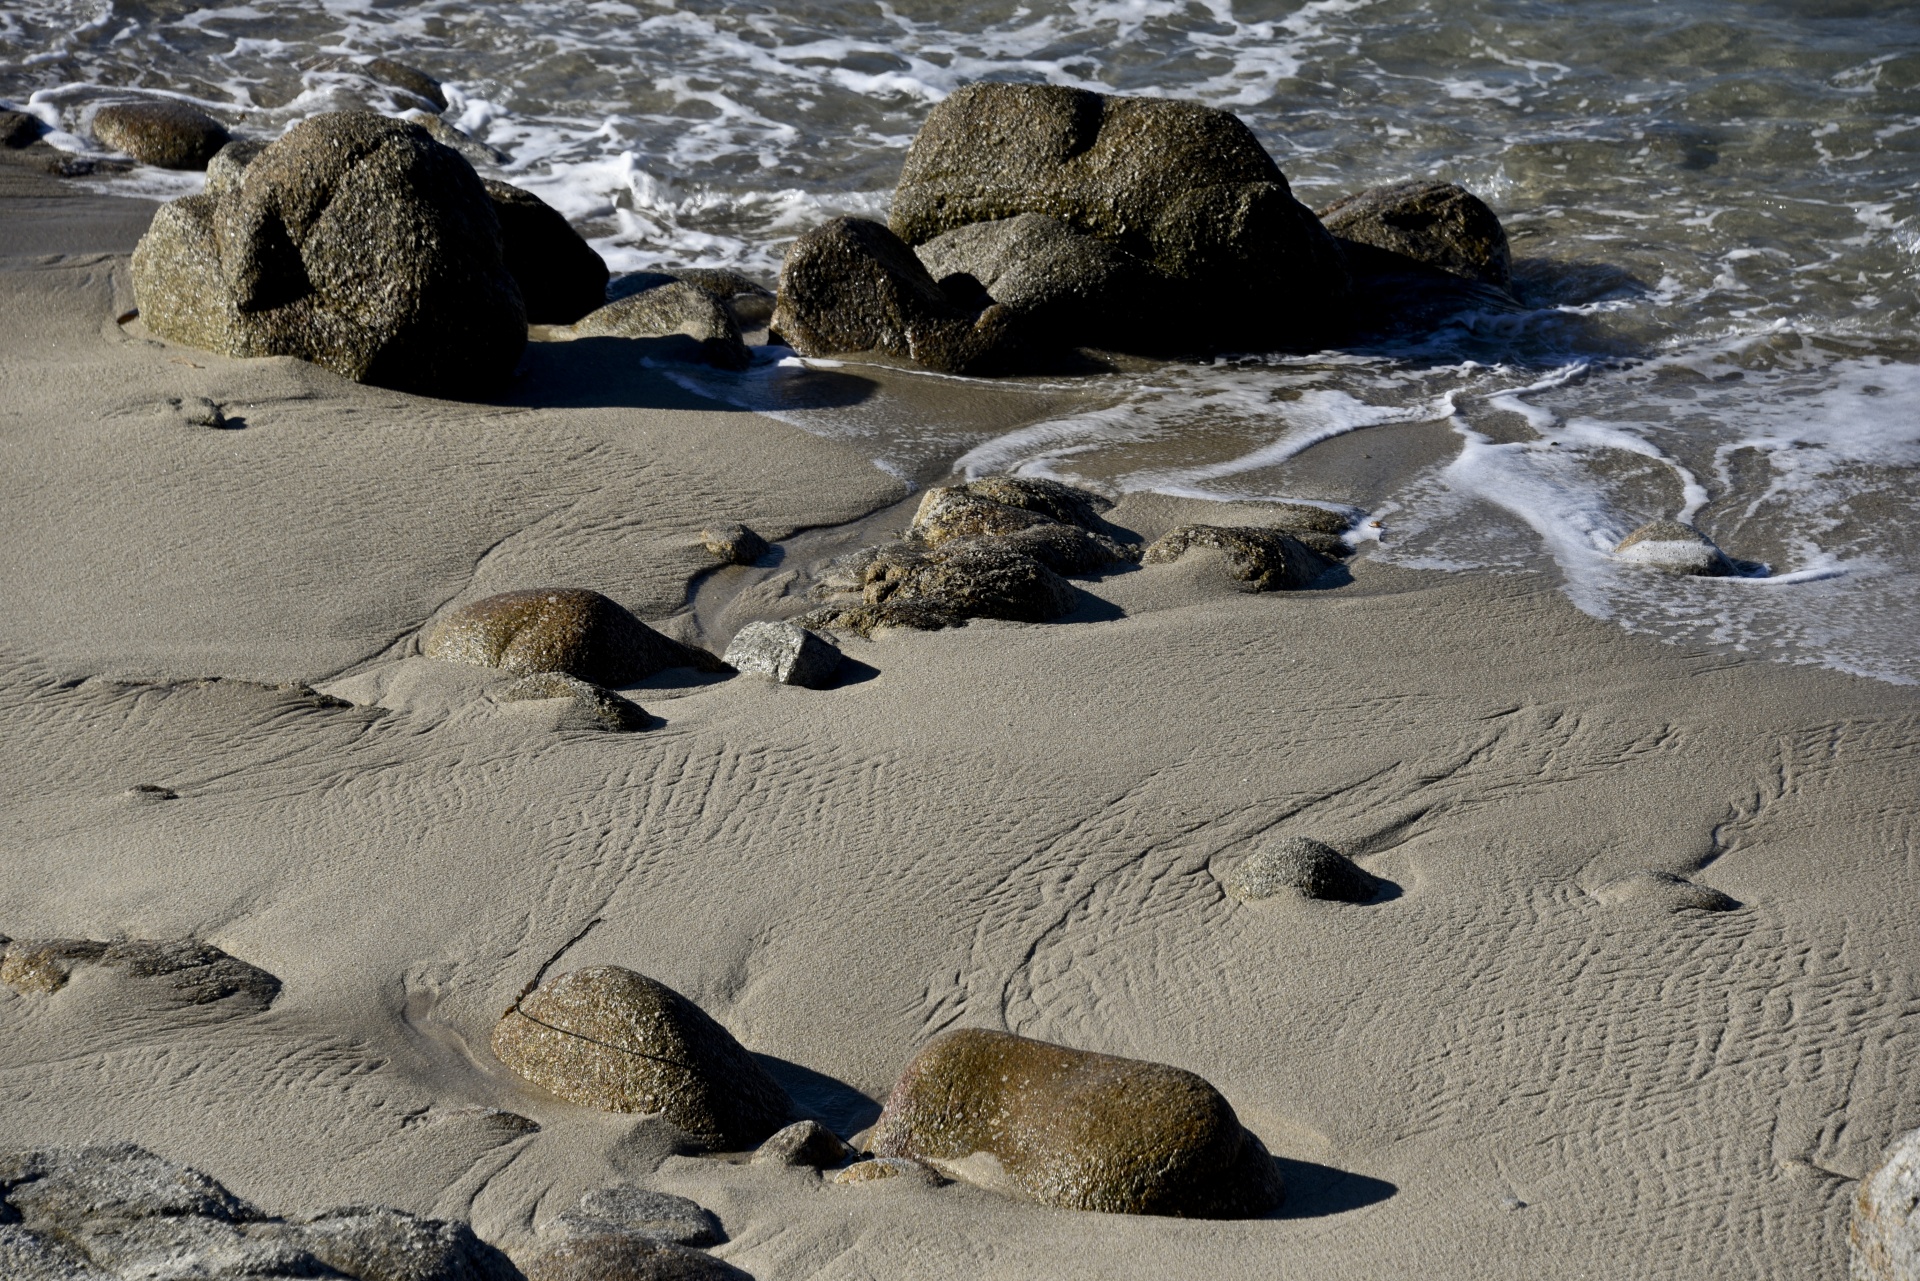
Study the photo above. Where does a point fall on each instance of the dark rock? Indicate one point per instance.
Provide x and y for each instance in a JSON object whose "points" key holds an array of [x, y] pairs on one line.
{"points": [[560, 276], [609, 1038], [1435, 224], [669, 308], [750, 302], [18, 129], [411, 79], [229, 165], [622, 1256], [804, 1143], [785, 653], [1075, 1129], [193, 411], [658, 1216], [852, 286], [1665, 890], [734, 544], [560, 629], [1676, 548], [1884, 1235], [355, 242], [474, 151], [590, 706], [1395, 296], [1302, 865], [1263, 560], [194, 973], [160, 132]]}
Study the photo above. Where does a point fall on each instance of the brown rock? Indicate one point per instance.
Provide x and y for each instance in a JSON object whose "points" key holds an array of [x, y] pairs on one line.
{"points": [[560, 276], [560, 629], [889, 1167], [807, 1143], [609, 1038], [750, 302], [1044, 520], [733, 543], [1437, 224], [161, 132], [1264, 560], [1075, 1129]]}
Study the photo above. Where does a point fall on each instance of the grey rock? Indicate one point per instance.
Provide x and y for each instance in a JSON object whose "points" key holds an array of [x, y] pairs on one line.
{"points": [[660, 1216], [355, 242], [1302, 865], [378, 1244], [411, 79], [1260, 560], [623, 1256], [1440, 225], [667, 309], [1665, 890], [750, 302], [161, 132], [28, 1256], [186, 971], [804, 1143], [1676, 548], [734, 543], [1884, 1235], [560, 629], [560, 276], [229, 165], [111, 1182], [785, 653], [590, 706], [474, 151]]}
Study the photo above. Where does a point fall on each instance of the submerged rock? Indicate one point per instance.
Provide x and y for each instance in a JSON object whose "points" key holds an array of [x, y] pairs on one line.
{"points": [[1676, 548], [1264, 560], [1884, 1234], [161, 132], [560, 276], [610, 1038], [191, 972], [622, 1256], [1440, 225], [804, 1143], [590, 706], [1075, 1129], [658, 1216], [355, 242], [785, 653], [560, 629], [672, 308], [1304, 866]]}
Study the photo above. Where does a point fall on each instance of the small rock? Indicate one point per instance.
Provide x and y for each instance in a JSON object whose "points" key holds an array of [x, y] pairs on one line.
{"points": [[659, 1216], [669, 309], [560, 629], [1075, 1129], [889, 1167], [734, 544], [147, 793], [592, 706], [195, 973], [1305, 865], [161, 132], [1264, 560], [411, 79], [471, 148], [1676, 548], [609, 1038], [1440, 225], [622, 1256], [786, 653], [18, 129], [1665, 890], [750, 301], [560, 275], [1885, 1232], [194, 411], [229, 165], [1063, 543], [807, 1143]]}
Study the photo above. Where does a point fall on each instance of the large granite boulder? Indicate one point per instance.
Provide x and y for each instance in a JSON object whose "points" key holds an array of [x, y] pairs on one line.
{"points": [[1440, 225], [162, 132], [355, 242], [572, 630], [610, 1038], [1075, 1129], [1259, 560], [1885, 1231], [560, 276]]}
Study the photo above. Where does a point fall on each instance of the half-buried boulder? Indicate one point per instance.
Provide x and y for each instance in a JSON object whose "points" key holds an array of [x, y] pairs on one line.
{"points": [[560, 629], [355, 242], [183, 971], [610, 1038], [1075, 1129], [1676, 548], [1303, 866], [910, 585], [622, 1256], [588, 706], [1052, 523], [1259, 560], [162, 132], [560, 276]]}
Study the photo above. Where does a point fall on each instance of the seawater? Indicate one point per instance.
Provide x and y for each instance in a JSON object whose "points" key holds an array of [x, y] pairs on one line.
{"points": [[1713, 208]]}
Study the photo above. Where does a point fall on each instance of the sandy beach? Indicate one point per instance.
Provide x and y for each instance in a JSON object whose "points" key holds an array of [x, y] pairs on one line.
{"points": [[1527, 1057]]}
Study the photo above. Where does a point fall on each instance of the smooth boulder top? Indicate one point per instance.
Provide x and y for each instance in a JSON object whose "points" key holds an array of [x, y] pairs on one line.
{"points": [[1884, 1235], [572, 630], [1676, 548], [1305, 866], [660, 1216], [611, 1038], [1075, 1129], [162, 132], [1436, 224], [588, 706], [561, 277]]}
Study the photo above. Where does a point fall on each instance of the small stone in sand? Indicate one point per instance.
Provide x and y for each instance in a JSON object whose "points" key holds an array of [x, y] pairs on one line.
{"points": [[1305, 865], [1676, 548], [1262, 560], [148, 793], [1885, 1232], [804, 1143], [622, 1256], [785, 653], [560, 629], [591, 706], [658, 1216], [162, 132], [889, 1167], [733, 544]]}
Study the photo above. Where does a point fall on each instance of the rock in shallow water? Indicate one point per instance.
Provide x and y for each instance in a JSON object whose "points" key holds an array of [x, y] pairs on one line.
{"points": [[785, 653], [1302, 865], [169, 134], [669, 309], [1884, 1235], [1075, 1129], [1676, 548], [1440, 225], [610, 1038], [560, 629], [1262, 560]]}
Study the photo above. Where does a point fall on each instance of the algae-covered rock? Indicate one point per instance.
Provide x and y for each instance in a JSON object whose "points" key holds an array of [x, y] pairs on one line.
{"points": [[560, 629], [1260, 560], [161, 132], [1676, 548], [672, 308], [590, 706], [185, 971], [610, 1038], [1304, 866], [1075, 1129], [18, 129], [784, 653], [560, 276], [1440, 225]]}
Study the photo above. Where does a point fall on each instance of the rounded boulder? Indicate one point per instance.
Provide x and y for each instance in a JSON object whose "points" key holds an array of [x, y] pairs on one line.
{"points": [[171, 135], [571, 630]]}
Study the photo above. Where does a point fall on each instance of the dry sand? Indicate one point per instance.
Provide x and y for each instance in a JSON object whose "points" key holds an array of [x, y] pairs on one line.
{"points": [[1514, 1065]]}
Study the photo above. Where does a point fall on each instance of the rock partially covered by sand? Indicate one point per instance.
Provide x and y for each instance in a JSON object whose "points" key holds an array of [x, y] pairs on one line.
{"points": [[355, 242], [804, 1143], [589, 706], [658, 1216], [672, 308], [907, 585], [852, 286], [161, 132], [1045, 520], [560, 276], [1885, 1232], [1676, 548], [184, 971], [1666, 891], [560, 629], [610, 1038], [622, 1256], [1261, 560], [1075, 1129], [785, 653], [1440, 225], [1303, 866]]}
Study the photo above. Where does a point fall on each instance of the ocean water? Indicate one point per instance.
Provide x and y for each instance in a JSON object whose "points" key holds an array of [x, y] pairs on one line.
{"points": [[1714, 208]]}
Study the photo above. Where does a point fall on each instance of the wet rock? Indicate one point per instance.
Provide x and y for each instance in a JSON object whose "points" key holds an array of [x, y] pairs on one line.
{"points": [[1440, 225], [355, 242], [560, 276], [622, 1256], [18, 129], [1075, 1129], [1665, 890], [785, 653], [1884, 1235], [668, 309], [974, 577], [1676, 548], [609, 1038], [1045, 520], [734, 544], [590, 706], [411, 79], [889, 1167], [560, 629], [160, 132], [658, 1216], [804, 1143], [750, 301], [189, 972], [852, 286], [1304, 866], [229, 165], [471, 148], [1264, 560]]}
